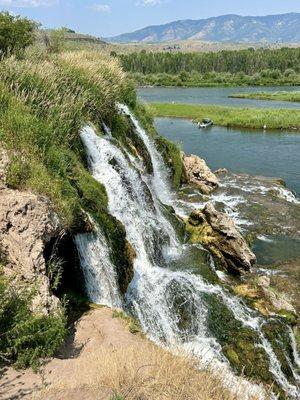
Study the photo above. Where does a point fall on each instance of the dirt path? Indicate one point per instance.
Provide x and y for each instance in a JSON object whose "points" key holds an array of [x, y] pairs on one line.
{"points": [[95, 331]]}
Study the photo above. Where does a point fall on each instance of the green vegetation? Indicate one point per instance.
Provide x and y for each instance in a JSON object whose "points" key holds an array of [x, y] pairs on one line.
{"points": [[16, 33], [44, 104], [223, 68], [27, 336], [231, 116], [214, 79], [133, 324], [239, 343], [55, 40], [172, 158], [281, 96]]}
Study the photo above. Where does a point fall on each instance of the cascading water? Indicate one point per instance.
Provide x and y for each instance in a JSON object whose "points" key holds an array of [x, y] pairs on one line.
{"points": [[99, 272], [172, 304], [159, 180]]}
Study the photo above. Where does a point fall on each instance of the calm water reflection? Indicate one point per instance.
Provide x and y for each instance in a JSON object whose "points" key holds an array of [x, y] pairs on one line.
{"points": [[272, 153]]}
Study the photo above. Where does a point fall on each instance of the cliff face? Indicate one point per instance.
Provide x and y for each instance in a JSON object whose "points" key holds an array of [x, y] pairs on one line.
{"points": [[26, 225]]}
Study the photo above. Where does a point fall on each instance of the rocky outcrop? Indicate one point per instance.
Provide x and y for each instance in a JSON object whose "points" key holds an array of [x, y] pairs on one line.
{"points": [[217, 232], [196, 172], [26, 225], [266, 300]]}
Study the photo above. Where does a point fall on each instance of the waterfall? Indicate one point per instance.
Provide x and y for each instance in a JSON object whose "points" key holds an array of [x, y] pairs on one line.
{"points": [[163, 288], [99, 272], [160, 180]]}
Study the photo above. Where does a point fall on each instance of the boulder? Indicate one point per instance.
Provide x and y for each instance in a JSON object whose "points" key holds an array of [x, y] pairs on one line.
{"points": [[196, 172], [217, 232]]}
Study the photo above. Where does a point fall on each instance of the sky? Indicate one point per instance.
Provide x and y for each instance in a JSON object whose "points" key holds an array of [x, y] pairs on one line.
{"points": [[104, 18]]}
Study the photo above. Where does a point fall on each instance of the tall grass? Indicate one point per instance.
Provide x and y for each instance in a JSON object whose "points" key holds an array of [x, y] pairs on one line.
{"points": [[44, 103]]}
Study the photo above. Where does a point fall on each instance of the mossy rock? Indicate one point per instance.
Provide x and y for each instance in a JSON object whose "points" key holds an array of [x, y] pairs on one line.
{"points": [[203, 233], [278, 335], [124, 131], [260, 299], [239, 343], [171, 154], [176, 222], [288, 316], [122, 254]]}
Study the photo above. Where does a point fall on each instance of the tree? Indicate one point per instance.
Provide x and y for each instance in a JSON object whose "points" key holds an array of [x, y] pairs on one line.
{"points": [[16, 33]]}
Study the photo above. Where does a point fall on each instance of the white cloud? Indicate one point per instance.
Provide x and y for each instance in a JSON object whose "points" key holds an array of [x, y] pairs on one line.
{"points": [[101, 8], [149, 2], [27, 3]]}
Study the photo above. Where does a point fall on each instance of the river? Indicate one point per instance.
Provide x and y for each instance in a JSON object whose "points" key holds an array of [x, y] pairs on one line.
{"points": [[216, 96], [256, 152]]}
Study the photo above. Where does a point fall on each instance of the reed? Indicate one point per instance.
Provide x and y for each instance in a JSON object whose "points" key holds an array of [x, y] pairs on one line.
{"points": [[235, 117]]}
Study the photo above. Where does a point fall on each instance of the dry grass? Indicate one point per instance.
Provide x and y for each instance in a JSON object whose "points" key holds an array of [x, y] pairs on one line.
{"points": [[149, 372]]}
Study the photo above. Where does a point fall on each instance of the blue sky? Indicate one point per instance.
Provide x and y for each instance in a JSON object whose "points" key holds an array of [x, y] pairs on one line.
{"points": [[111, 17]]}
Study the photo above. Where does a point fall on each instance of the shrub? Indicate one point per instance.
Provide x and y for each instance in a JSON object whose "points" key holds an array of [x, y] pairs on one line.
{"points": [[55, 40], [16, 33], [26, 336]]}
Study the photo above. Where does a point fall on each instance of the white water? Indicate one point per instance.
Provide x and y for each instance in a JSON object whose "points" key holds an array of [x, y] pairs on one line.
{"points": [[159, 181], [99, 272], [156, 291]]}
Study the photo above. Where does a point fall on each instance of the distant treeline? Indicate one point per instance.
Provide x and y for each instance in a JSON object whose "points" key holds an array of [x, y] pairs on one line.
{"points": [[249, 61]]}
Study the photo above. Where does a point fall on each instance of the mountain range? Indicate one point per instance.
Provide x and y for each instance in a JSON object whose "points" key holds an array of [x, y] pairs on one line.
{"points": [[284, 28]]}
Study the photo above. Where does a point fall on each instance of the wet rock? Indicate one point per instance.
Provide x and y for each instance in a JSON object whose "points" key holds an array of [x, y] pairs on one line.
{"points": [[196, 172], [221, 171], [26, 225], [266, 299], [217, 232]]}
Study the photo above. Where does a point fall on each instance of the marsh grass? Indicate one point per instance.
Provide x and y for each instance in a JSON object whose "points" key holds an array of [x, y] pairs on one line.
{"points": [[280, 95], [231, 116]]}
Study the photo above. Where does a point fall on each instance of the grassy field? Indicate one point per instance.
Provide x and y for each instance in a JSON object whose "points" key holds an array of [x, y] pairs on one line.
{"points": [[281, 96], [231, 116]]}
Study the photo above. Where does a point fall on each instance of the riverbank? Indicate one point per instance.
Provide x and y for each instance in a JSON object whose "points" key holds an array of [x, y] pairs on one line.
{"points": [[231, 116], [280, 96]]}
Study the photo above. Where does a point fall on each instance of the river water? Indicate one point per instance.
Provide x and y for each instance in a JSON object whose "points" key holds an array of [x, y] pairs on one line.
{"points": [[272, 153], [256, 152], [216, 96]]}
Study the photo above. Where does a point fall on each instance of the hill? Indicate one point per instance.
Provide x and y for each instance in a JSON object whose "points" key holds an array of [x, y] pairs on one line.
{"points": [[225, 28]]}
